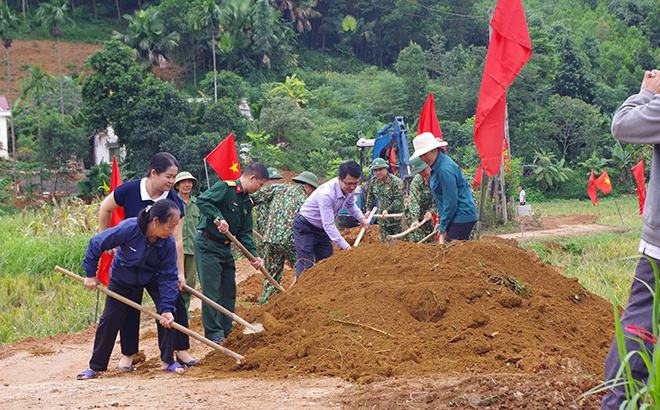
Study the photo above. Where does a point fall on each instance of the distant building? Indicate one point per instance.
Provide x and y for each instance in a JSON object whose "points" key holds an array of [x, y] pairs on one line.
{"points": [[4, 114]]}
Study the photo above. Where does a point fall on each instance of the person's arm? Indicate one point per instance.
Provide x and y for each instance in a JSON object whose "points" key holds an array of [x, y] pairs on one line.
{"points": [[105, 211], [449, 200], [244, 236], [396, 202], [637, 121], [169, 280], [103, 241], [265, 195], [328, 220]]}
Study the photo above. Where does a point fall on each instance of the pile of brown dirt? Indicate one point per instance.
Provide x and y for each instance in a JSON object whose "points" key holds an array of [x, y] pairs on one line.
{"points": [[474, 307]]}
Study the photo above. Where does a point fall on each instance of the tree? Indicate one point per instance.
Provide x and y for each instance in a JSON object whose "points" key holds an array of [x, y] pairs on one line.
{"points": [[282, 119], [299, 12], [292, 87], [54, 15], [548, 170], [573, 77], [33, 87], [575, 122], [209, 17], [59, 143], [8, 22], [411, 66], [145, 34]]}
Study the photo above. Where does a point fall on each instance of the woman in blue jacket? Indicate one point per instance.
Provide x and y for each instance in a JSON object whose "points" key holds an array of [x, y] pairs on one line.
{"points": [[145, 259], [458, 212]]}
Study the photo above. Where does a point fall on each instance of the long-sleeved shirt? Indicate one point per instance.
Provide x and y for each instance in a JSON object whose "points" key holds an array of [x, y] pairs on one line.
{"points": [[637, 121], [280, 203], [323, 206], [137, 262], [451, 192]]}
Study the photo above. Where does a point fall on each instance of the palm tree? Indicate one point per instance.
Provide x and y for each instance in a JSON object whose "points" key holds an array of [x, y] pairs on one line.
{"points": [[145, 35], [299, 12], [8, 21], [54, 15], [209, 17], [34, 86]]}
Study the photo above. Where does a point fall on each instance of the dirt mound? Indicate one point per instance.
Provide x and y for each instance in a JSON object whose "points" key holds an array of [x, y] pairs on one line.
{"points": [[475, 307]]}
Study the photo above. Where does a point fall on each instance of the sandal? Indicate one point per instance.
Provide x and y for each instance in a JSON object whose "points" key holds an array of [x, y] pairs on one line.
{"points": [[174, 367], [87, 375], [188, 364]]}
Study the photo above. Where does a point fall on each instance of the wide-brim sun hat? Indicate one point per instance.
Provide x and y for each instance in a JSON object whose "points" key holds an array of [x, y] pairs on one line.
{"points": [[182, 176], [424, 143], [307, 177], [417, 165], [378, 163], [273, 174]]}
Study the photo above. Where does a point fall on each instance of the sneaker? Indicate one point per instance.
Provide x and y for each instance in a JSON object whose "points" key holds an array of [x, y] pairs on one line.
{"points": [[218, 340]]}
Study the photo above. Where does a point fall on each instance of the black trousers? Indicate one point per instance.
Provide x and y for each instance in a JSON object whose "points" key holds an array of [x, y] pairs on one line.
{"points": [[129, 330], [111, 321], [459, 231], [639, 312], [312, 244]]}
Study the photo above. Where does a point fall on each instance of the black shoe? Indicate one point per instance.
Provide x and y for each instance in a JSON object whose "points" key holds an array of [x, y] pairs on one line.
{"points": [[218, 340], [188, 364]]}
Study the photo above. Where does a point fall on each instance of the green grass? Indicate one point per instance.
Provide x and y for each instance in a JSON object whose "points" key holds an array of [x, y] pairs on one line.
{"points": [[593, 257], [34, 299]]}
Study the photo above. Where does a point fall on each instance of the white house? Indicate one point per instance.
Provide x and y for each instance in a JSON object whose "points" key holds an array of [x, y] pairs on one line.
{"points": [[4, 114]]}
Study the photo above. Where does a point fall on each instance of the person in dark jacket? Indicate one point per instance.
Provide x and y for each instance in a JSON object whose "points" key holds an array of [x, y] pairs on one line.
{"points": [[145, 259]]}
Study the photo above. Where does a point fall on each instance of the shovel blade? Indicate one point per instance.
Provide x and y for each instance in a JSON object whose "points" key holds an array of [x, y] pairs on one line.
{"points": [[256, 328], [389, 241]]}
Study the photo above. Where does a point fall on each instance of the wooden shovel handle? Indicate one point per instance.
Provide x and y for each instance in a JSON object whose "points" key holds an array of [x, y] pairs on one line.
{"points": [[407, 231], [361, 234], [388, 216], [252, 259], [219, 308], [156, 316]]}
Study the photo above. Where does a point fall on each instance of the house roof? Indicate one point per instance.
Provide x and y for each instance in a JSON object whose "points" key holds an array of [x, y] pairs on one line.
{"points": [[4, 105]]}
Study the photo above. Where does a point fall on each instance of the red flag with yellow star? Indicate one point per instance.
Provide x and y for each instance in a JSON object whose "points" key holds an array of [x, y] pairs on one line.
{"points": [[603, 183], [224, 160]]}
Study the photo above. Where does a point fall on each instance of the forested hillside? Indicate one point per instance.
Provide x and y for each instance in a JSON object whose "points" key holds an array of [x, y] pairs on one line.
{"points": [[318, 74]]}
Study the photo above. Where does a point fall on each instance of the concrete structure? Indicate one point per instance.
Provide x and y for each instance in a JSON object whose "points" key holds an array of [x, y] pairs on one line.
{"points": [[105, 145], [524, 210], [5, 113]]}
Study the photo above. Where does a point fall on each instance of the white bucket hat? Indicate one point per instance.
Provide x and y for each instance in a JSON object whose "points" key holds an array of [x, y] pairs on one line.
{"points": [[426, 142]]}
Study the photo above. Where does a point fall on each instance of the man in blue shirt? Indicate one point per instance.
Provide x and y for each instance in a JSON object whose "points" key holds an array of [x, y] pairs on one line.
{"points": [[458, 212]]}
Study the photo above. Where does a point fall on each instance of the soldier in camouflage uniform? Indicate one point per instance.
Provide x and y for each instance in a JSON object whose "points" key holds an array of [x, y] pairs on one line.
{"points": [[421, 202], [283, 202], [260, 215], [387, 189]]}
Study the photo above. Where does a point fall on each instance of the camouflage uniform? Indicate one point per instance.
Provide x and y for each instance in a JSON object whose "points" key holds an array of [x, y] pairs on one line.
{"points": [[421, 201], [390, 197], [260, 217], [283, 202]]}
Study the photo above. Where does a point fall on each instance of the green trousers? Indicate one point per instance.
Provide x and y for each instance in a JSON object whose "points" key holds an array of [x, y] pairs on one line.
{"points": [[217, 275]]}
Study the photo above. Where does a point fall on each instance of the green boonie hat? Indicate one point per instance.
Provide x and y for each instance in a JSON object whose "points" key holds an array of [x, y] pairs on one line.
{"points": [[307, 177], [417, 165], [273, 174], [182, 176], [378, 163]]}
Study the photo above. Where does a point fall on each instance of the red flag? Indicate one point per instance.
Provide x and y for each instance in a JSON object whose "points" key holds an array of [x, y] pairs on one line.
{"points": [[593, 194], [224, 160], [638, 171], [505, 153], [117, 216], [477, 177], [428, 120], [603, 183], [509, 50]]}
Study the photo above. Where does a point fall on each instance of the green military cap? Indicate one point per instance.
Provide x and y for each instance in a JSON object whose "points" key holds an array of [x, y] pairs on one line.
{"points": [[417, 165], [307, 177], [378, 163], [273, 174], [182, 176]]}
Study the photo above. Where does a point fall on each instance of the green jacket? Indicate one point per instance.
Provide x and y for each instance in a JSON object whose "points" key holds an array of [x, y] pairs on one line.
{"points": [[227, 200], [190, 225]]}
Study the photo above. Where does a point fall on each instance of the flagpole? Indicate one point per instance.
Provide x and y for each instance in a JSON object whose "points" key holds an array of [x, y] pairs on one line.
{"points": [[206, 170], [617, 209], [482, 199]]}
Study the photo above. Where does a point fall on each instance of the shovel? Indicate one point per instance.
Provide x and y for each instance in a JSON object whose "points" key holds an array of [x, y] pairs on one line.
{"points": [[252, 259], [388, 216], [156, 316], [361, 234], [249, 328], [441, 240], [389, 239]]}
